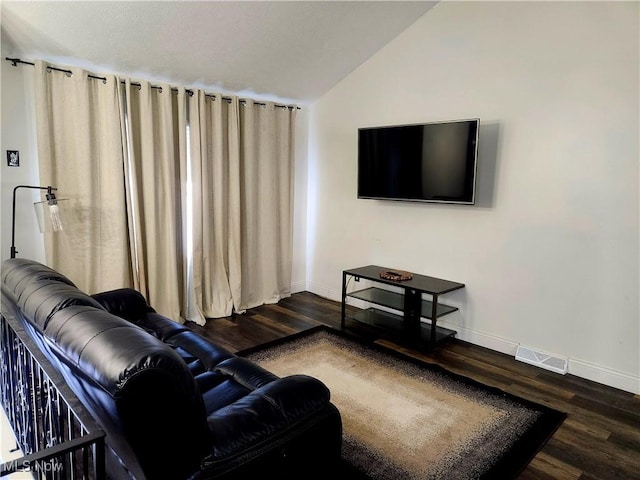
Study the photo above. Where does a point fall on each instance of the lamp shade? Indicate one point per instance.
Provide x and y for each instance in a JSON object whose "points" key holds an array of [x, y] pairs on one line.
{"points": [[49, 213], [51, 217]]}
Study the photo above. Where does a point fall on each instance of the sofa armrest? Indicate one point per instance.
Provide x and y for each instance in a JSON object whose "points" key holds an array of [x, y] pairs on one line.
{"points": [[278, 406]]}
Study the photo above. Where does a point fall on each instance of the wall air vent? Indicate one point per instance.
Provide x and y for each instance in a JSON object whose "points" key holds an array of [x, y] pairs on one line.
{"points": [[541, 359]]}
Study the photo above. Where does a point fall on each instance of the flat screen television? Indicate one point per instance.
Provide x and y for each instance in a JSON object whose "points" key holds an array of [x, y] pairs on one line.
{"points": [[428, 162]]}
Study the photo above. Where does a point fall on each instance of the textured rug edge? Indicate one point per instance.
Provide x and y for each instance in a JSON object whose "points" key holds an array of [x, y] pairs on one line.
{"points": [[523, 450]]}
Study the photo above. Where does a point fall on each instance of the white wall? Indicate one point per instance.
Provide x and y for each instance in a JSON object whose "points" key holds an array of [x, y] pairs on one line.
{"points": [[18, 133], [550, 253], [299, 267]]}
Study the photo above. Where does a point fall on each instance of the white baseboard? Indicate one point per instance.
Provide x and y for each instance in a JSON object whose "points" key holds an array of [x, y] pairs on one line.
{"points": [[577, 367], [324, 292], [483, 339], [299, 286], [607, 376]]}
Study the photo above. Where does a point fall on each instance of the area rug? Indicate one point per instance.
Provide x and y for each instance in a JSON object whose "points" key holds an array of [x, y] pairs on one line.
{"points": [[406, 419]]}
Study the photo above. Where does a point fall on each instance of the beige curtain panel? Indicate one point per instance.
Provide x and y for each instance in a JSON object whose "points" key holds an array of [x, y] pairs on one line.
{"points": [[187, 197], [80, 151], [242, 160], [154, 199], [215, 183], [266, 166]]}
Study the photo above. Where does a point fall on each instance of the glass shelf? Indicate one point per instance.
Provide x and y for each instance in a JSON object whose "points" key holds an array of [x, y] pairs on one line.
{"points": [[393, 323], [395, 300]]}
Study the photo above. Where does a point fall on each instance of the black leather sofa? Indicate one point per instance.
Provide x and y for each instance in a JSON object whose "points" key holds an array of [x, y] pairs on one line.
{"points": [[173, 404]]}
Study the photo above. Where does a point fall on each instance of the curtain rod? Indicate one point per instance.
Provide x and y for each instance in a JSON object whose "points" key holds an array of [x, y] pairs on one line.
{"points": [[16, 61]]}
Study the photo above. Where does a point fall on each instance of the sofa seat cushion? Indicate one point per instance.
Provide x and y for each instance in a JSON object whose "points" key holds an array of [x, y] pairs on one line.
{"points": [[194, 348]]}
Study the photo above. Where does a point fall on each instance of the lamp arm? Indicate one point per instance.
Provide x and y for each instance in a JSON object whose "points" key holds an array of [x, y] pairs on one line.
{"points": [[13, 213]]}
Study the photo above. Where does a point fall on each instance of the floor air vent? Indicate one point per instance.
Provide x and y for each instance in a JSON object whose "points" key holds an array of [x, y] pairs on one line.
{"points": [[541, 359]]}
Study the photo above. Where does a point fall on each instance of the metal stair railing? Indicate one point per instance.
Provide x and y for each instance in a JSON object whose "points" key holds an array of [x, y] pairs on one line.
{"points": [[58, 437]]}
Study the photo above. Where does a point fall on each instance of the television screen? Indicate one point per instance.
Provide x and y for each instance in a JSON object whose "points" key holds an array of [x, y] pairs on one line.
{"points": [[428, 162]]}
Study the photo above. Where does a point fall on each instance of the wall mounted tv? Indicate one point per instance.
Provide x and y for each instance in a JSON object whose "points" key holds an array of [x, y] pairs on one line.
{"points": [[428, 162]]}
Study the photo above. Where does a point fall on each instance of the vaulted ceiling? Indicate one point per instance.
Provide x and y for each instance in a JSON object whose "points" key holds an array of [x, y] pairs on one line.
{"points": [[291, 51]]}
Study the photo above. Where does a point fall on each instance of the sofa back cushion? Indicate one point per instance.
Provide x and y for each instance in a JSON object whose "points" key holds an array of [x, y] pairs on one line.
{"points": [[126, 303], [18, 270], [41, 291]]}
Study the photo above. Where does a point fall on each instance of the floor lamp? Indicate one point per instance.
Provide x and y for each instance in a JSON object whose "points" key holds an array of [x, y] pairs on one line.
{"points": [[54, 212]]}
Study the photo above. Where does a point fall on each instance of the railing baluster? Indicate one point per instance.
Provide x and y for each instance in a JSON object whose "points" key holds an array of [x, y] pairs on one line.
{"points": [[57, 441], [72, 455]]}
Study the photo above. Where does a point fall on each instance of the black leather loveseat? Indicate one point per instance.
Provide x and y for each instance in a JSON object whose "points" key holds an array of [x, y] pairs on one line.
{"points": [[173, 404]]}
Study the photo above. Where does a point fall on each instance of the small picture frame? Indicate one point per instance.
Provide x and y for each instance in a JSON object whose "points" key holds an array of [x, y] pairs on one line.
{"points": [[13, 158]]}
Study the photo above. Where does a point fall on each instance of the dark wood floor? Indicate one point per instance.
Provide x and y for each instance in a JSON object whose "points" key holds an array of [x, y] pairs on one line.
{"points": [[600, 439]]}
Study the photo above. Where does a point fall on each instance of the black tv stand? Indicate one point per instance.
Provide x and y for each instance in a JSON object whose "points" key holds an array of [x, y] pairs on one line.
{"points": [[410, 305]]}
